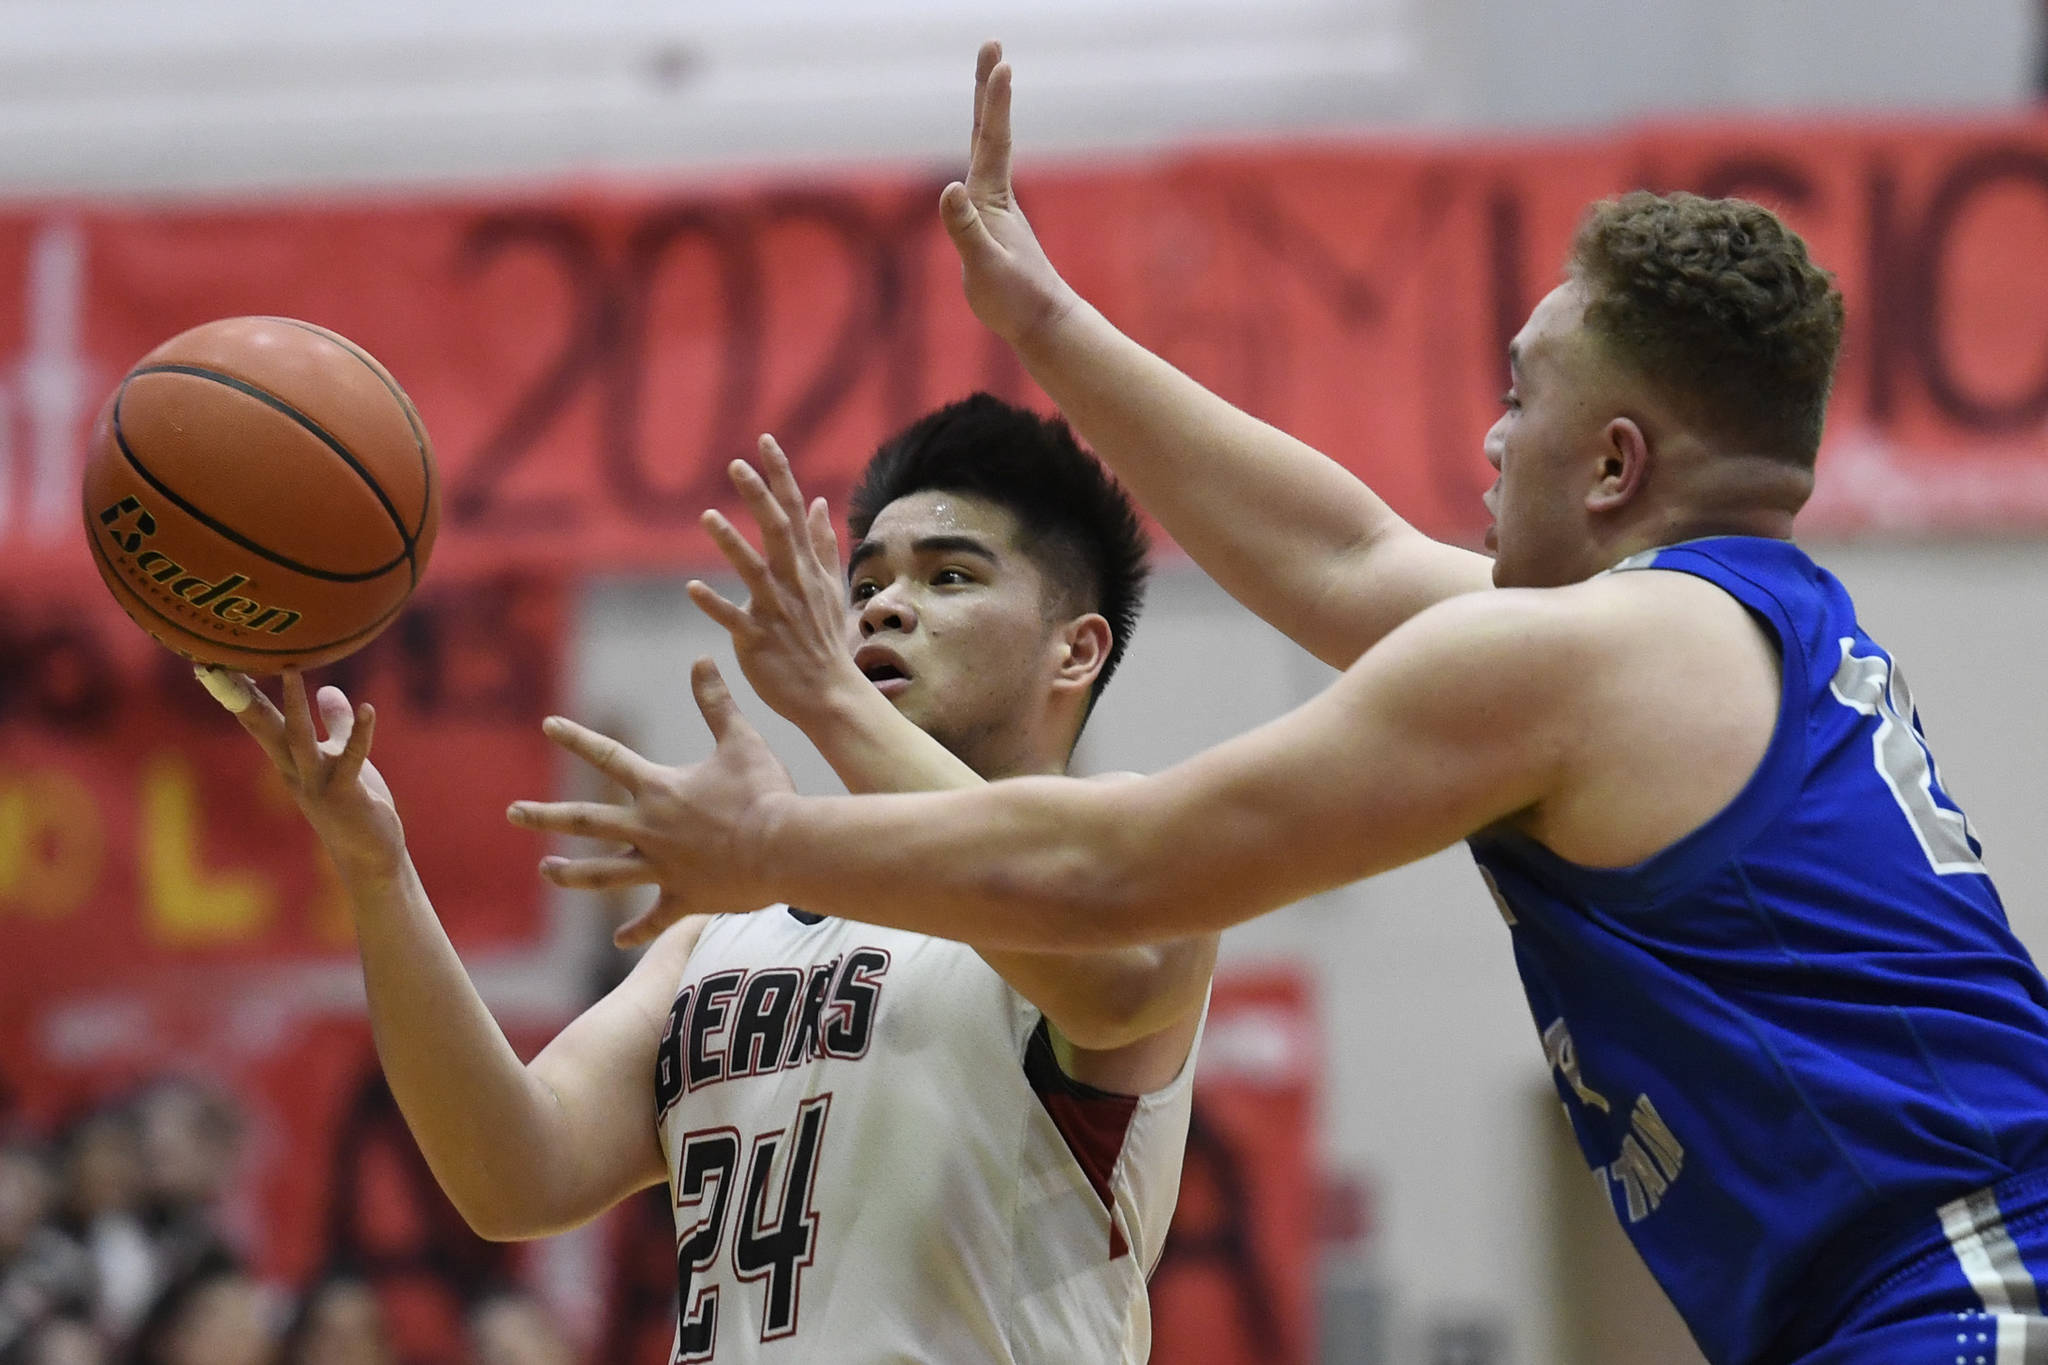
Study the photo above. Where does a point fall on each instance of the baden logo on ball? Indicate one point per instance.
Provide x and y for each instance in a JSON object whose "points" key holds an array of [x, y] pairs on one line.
{"points": [[189, 589], [260, 495]]}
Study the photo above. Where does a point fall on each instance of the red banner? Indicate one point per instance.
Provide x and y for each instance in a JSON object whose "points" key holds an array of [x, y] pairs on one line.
{"points": [[1237, 1283], [143, 834], [588, 360], [164, 910]]}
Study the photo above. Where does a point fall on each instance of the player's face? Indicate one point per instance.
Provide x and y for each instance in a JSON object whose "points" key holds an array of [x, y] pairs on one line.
{"points": [[949, 621], [1548, 446]]}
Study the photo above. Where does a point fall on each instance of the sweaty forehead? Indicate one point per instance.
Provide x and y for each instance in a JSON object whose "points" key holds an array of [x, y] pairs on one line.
{"points": [[941, 512]]}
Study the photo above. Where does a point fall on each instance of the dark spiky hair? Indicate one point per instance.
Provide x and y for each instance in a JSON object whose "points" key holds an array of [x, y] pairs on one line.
{"points": [[1073, 518]]}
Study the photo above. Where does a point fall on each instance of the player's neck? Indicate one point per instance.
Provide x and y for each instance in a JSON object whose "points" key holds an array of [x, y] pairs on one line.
{"points": [[1031, 750], [995, 755], [1024, 765], [1735, 495], [1766, 523]]}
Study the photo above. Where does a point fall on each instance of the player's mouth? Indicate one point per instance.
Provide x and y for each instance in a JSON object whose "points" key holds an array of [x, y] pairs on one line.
{"points": [[1492, 540], [883, 667]]}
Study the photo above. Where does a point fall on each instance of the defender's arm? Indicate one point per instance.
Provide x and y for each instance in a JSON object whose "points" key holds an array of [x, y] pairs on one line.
{"points": [[1465, 717], [1287, 531], [1604, 720]]}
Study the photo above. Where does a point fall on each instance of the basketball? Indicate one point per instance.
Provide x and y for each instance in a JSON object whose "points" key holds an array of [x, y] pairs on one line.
{"points": [[259, 494]]}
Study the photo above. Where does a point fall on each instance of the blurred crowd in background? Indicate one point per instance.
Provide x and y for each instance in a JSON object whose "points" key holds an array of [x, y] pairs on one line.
{"points": [[114, 1251]]}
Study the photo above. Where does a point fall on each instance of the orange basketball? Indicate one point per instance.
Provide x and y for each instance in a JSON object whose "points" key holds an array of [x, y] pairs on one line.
{"points": [[259, 494]]}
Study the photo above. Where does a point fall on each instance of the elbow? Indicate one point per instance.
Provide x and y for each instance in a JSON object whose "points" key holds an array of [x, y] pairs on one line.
{"points": [[1112, 1019], [499, 1222], [1136, 992], [495, 1225]]}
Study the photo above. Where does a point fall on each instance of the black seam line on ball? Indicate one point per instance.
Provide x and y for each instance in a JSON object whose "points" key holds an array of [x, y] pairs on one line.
{"points": [[412, 417], [99, 552], [229, 533], [325, 437]]}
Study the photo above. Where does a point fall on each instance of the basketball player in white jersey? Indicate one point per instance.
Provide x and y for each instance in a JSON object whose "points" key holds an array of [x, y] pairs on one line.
{"points": [[881, 1147]]}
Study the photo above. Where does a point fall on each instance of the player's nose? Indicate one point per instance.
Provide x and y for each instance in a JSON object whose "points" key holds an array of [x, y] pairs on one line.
{"points": [[887, 610]]}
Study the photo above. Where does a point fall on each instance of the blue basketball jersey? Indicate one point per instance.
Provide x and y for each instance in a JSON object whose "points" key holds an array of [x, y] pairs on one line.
{"points": [[1790, 1037]]}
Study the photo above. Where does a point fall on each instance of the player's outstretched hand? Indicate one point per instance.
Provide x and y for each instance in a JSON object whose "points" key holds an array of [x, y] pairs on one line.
{"points": [[341, 792], [790, 636], [1011, 286], [687, 829]]}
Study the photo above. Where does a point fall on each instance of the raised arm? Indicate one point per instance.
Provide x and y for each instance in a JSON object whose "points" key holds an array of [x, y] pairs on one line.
{"points": [[1464, 718], [521, 1150], [1125, 1017], [1403, 756], [1605, 721], [1286, 530]]}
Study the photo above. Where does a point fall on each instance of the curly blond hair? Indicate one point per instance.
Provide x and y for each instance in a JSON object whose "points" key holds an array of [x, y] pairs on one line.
{"points": [[1717, 304]]}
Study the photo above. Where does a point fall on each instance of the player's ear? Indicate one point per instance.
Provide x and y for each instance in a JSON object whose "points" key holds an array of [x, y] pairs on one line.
{"points": [[1084, 649], [1624, 466]]}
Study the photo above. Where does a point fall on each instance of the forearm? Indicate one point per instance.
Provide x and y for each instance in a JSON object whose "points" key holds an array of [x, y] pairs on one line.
{"points": [[480, 1119], [1401, 758], [1035, 865], [1005, 866], [872, 748], [1274, 521]]}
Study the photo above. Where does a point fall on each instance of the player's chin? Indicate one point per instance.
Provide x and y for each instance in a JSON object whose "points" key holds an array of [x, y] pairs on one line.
{"points": [[1511, 570]]}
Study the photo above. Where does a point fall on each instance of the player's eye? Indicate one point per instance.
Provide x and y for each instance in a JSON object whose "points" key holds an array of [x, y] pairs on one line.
{"points": [[863, 590], [1510, 401], [947, 578]]}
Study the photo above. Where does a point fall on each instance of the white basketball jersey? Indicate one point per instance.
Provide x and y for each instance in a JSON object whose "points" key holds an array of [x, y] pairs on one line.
{"points": [[874, 1158]]}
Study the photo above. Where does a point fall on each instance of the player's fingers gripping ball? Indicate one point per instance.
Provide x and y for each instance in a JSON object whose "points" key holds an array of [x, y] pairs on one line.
{"points": [[259, 494]]}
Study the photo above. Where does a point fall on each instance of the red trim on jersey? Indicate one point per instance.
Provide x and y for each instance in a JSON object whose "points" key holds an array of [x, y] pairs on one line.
{"points": [[1093, 1123]]}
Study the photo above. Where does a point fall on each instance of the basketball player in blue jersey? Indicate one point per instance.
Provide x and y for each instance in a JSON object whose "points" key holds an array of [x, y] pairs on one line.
{"points": [[1776, 988], [882, 1146]]}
